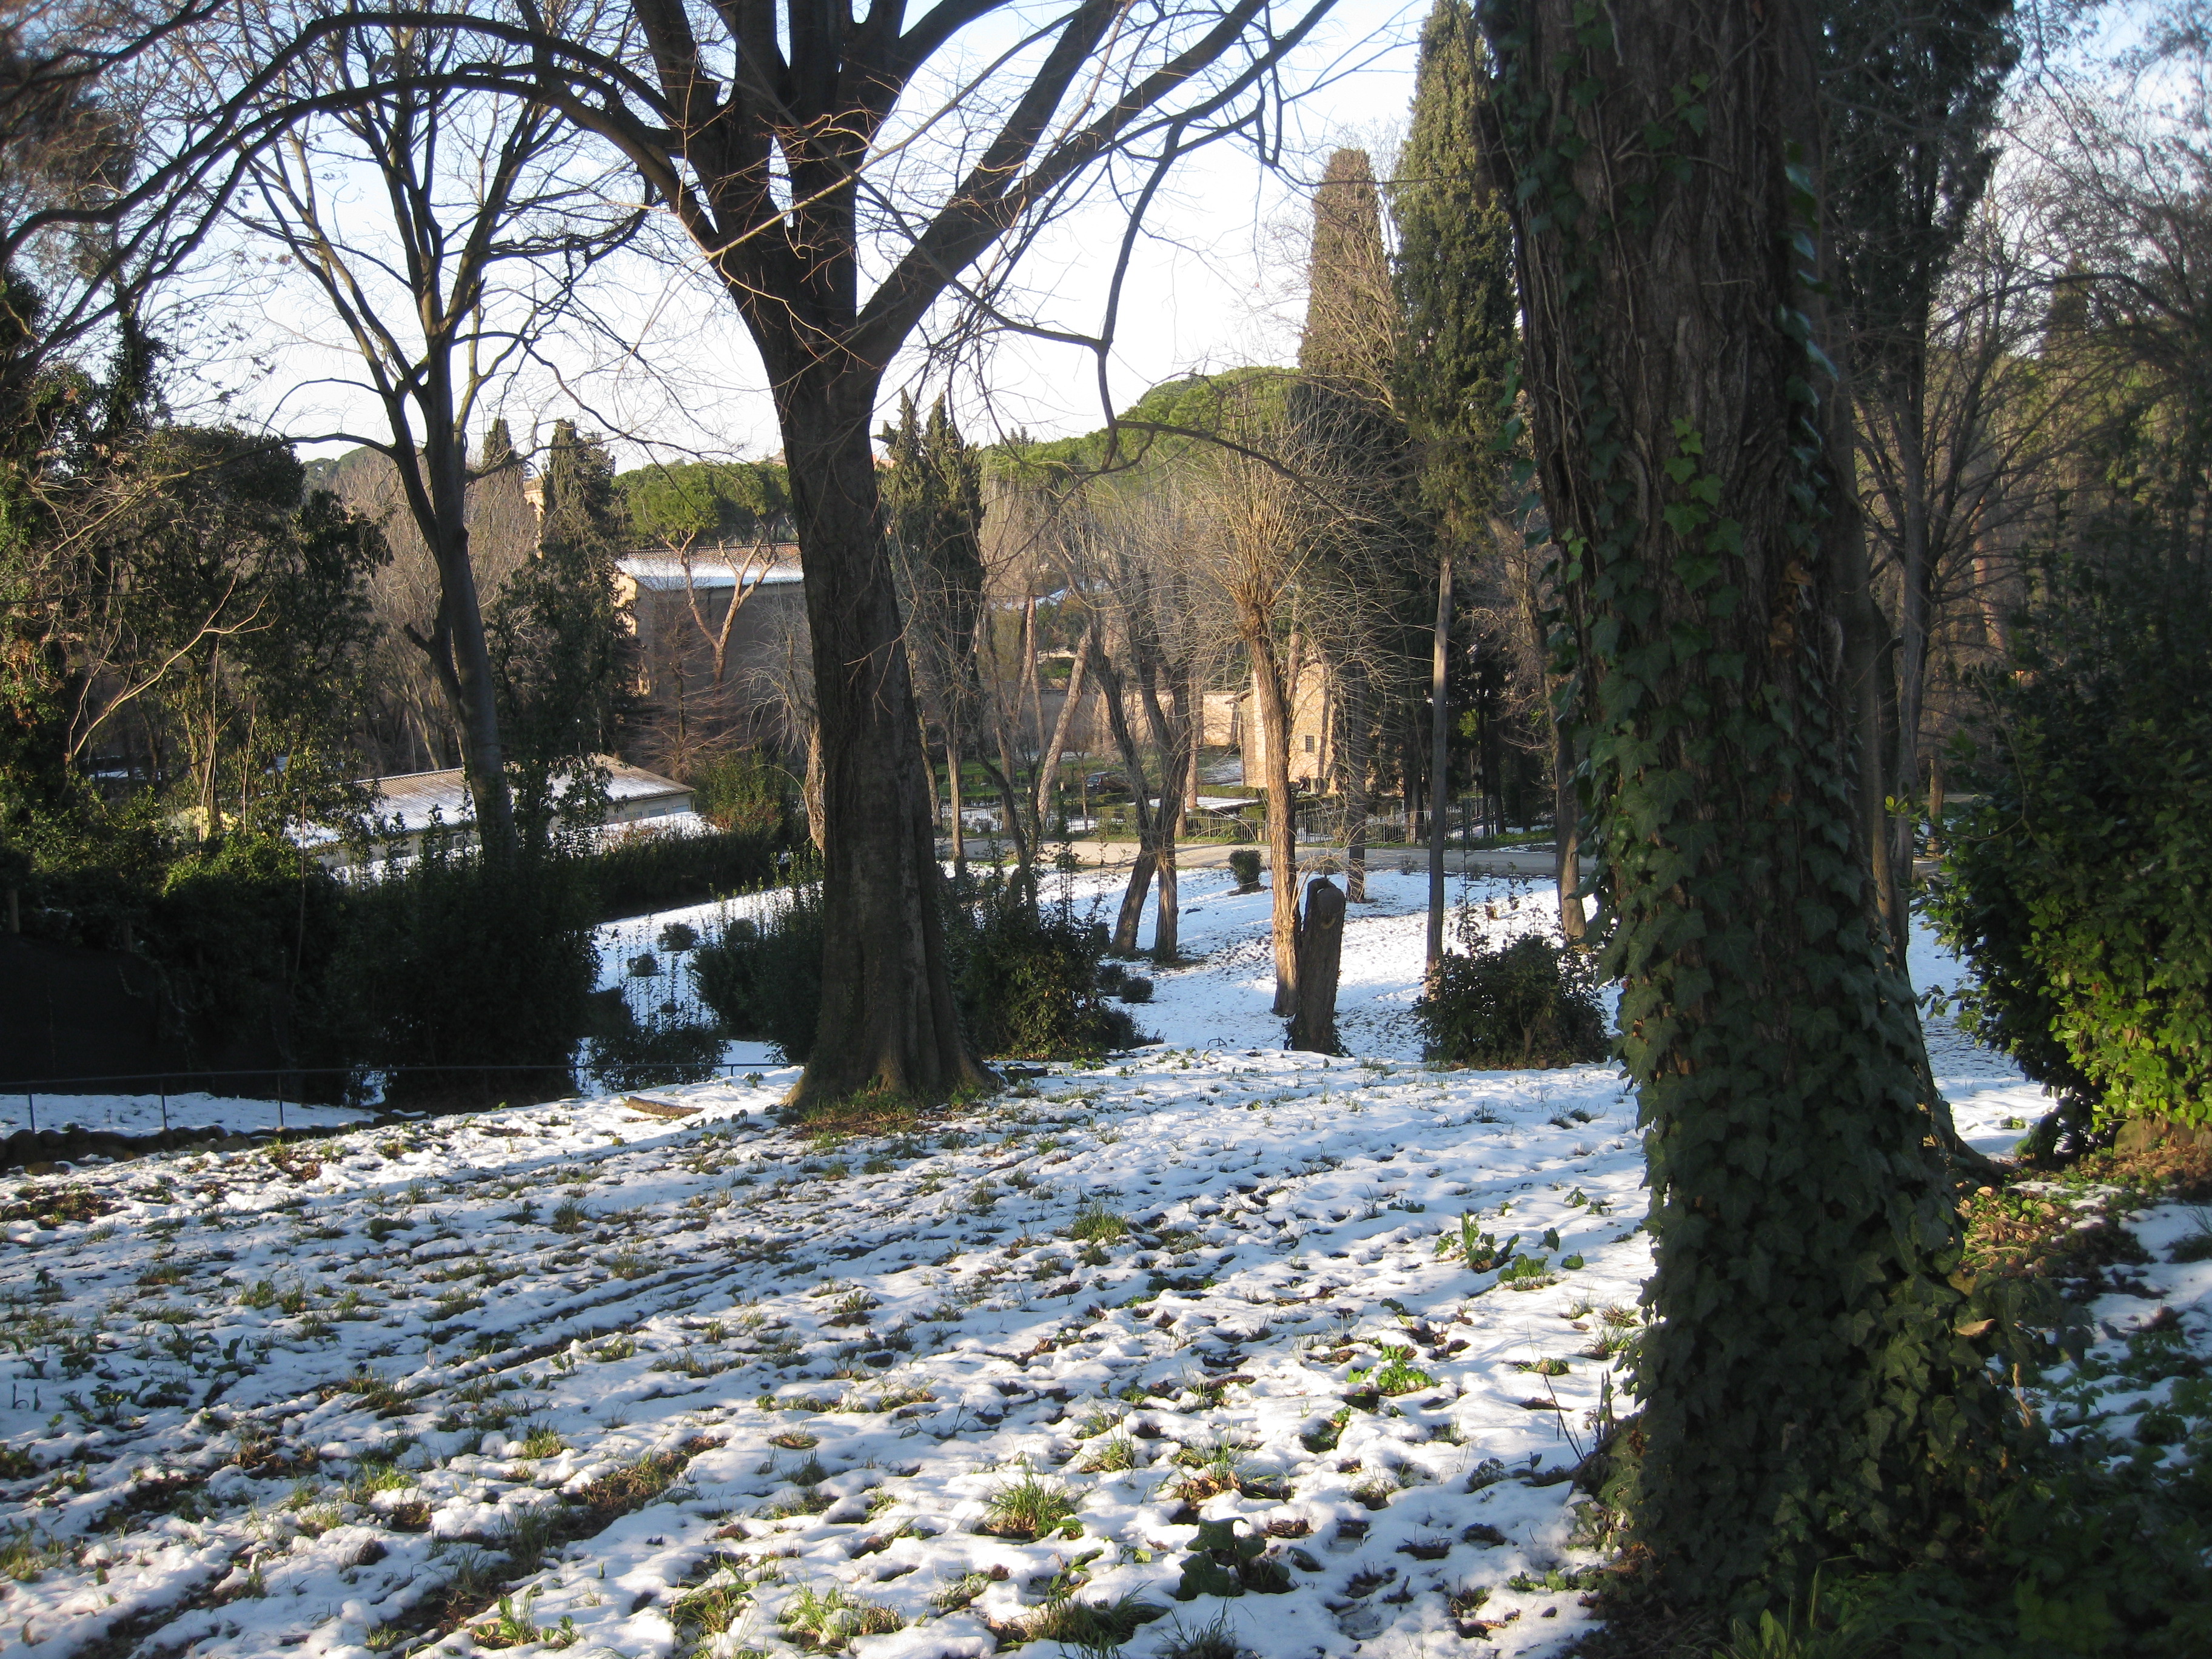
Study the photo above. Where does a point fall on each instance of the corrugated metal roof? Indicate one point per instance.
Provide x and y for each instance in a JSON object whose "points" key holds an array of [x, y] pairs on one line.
{"points": [[662, 573], [406, 799]]}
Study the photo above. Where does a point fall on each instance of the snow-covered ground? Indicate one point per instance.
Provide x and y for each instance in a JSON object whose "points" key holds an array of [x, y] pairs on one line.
{"points": [[672, 1379]]}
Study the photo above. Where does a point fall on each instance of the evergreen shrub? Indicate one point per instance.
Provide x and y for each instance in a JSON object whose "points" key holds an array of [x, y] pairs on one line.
{"points": [[745, 792], [645, 872], [1244, 864], [1028, 978], [663, 1048], [2074, 885], [245, 930], [762, 977], [461, 963], [1529, 1001]]}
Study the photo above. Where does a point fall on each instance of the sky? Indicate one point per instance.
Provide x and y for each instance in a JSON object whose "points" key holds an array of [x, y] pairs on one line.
{"points": [[1215, 283]]}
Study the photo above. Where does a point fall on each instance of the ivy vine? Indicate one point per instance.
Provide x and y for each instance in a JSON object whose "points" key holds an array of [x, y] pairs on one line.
{"points": [[1815, 1381]]}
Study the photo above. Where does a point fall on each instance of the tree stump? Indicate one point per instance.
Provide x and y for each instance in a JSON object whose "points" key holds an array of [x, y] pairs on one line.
{"points": [[1321, 946]]}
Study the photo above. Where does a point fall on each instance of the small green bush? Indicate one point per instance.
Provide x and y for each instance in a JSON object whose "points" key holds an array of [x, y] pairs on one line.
{"points": [[1528, 1002], [1028, 981], [461, 962], [1244, 864], [763, 978], [646, 870], [663, 1049], [2074, 885], [745, 792]]}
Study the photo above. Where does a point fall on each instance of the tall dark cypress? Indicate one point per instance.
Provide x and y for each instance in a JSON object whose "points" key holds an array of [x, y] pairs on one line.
{"points": [[1455, 282], [1455, 293], [932, 506], [560, 653]]}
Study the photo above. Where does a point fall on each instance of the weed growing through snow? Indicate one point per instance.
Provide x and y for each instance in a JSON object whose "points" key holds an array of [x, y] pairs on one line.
{"points": [[1395, 1374], [1090, 1627], [962, 1591], [852, 1309], [1213, 1469], [1114, 1455], [540, 1440], [1097, 1421], [1029, 1507], [715, 1607], [2196, 1246], [1375, 1491], [1214, 1639], [827, 1622]]}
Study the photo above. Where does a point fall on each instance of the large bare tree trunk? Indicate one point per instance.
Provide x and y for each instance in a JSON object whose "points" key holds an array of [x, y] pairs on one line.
{"points": [[817, 827], [1914, 613], [1048, 766], [1274, 711], [1132, 914], [436, 487], [1177, 741], [1805, 1395], [1321, 950], [953, 762], [888, 1018], [1353, 759]]}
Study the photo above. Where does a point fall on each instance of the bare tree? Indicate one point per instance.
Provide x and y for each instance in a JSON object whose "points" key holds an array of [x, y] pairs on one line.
{"points": [[1954, 460], [797, 149], [116, 143], [1124, 556], [1257, 540], [490, 219]]}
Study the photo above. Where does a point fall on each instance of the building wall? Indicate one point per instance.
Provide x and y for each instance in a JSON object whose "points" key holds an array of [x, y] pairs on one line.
{"points": [[1310, 713], [688, 714]]}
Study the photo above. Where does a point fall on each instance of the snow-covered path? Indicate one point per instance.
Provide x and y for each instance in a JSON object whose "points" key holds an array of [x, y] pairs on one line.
{"points": [[676, 1380]]}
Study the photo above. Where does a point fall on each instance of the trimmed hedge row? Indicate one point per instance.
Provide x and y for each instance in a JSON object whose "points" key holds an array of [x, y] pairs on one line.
{"points": [[455, 962]]}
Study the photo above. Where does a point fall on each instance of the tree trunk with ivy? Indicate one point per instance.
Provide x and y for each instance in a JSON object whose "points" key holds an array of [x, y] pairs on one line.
{"points": [[1804, 1392]]}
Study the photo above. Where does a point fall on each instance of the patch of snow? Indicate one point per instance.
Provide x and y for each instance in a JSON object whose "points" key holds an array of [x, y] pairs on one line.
{"points": [[267, 1402]]}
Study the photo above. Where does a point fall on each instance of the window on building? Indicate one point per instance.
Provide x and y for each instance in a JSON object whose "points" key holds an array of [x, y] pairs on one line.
{"points": [[1310, 743]]}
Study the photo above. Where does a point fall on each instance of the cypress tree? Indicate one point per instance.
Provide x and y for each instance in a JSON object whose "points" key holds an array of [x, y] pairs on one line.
{"points": [[1454, 282], [1351, 436], [1456, 292], [560, 653], [932, 506]]}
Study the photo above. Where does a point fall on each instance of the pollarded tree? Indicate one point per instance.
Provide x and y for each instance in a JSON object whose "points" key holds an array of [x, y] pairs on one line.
{"points": [[1806, 1393], [800, 148]]}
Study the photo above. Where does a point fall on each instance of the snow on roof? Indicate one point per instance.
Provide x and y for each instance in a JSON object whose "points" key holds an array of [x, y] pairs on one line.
{"points": [[662, 573], [406, 799]]}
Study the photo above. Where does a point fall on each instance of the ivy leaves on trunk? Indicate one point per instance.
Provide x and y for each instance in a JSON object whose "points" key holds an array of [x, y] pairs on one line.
{"points": [[1804, 1392]]}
